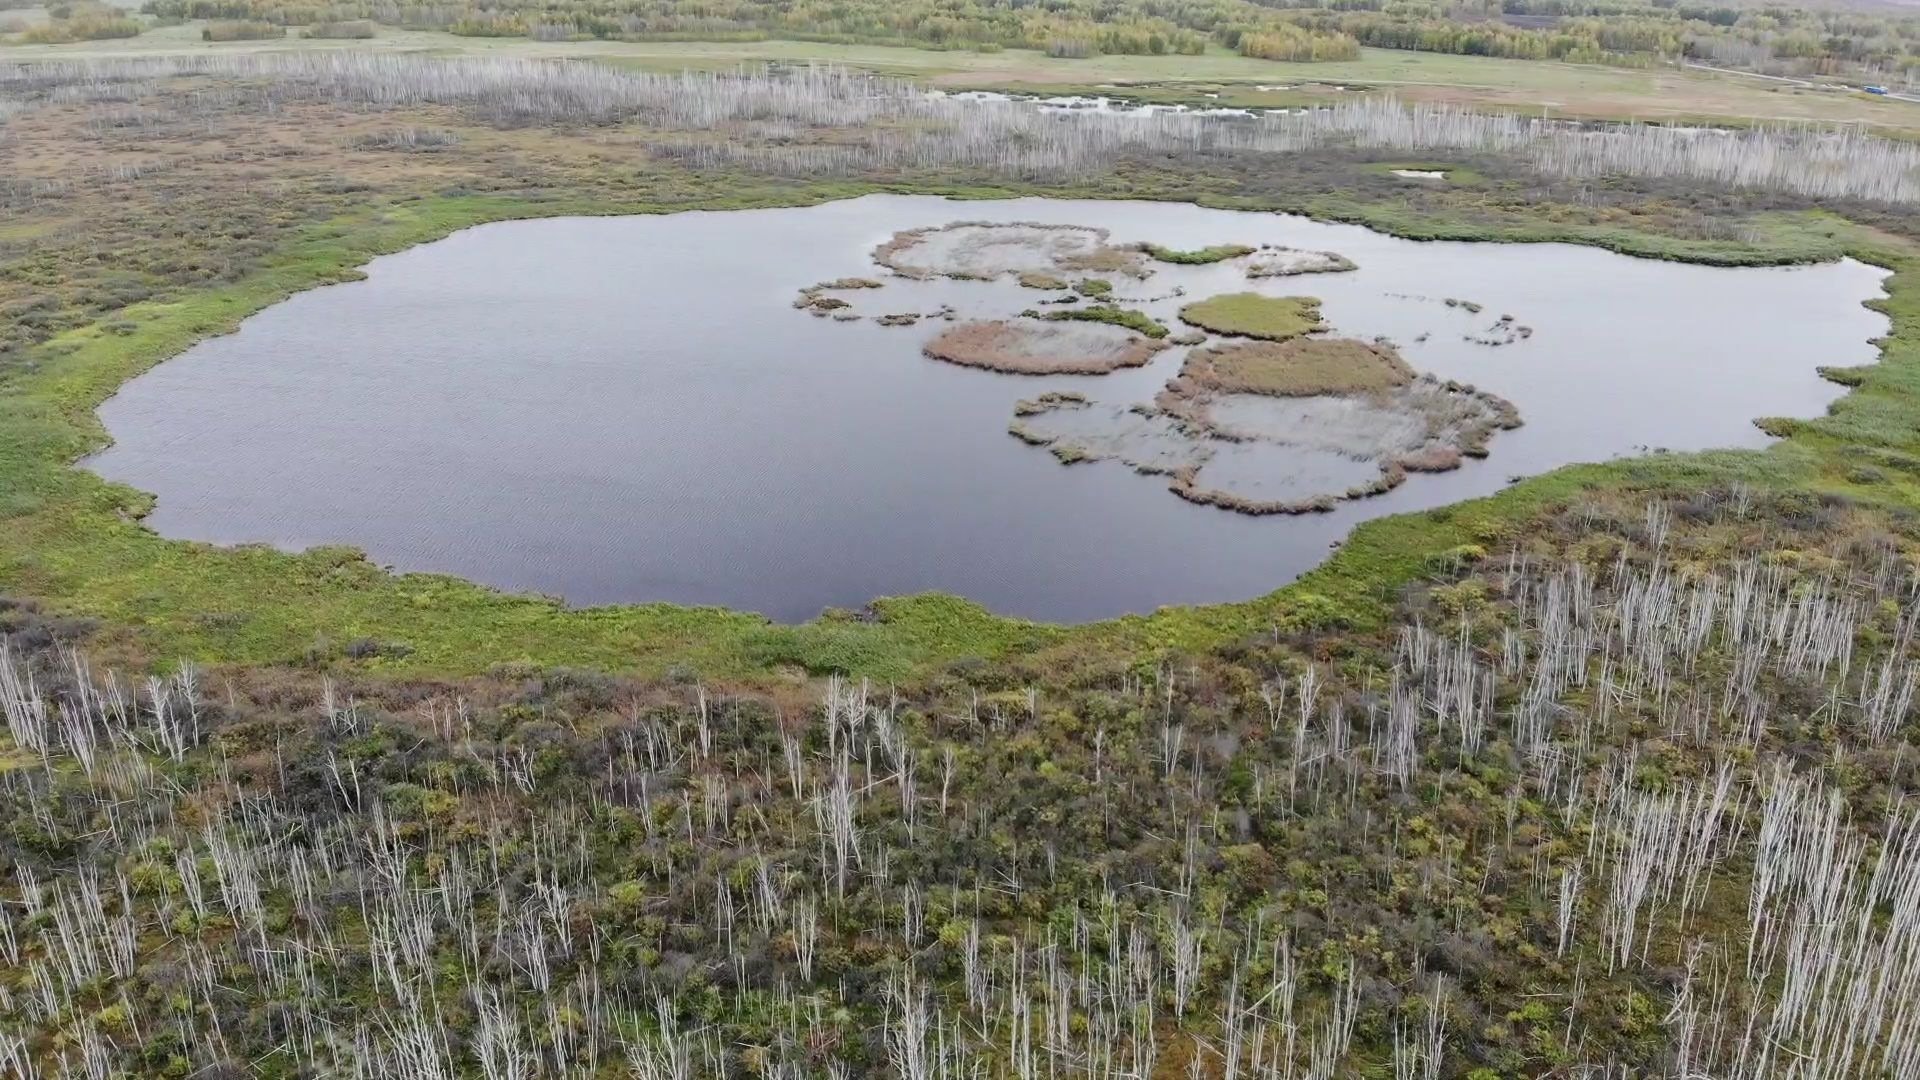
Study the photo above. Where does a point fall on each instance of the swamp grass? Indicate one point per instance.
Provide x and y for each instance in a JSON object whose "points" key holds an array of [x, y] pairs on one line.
{"points": [[1138, 321], [1301, 367], [1028, 346], [1247, 314], [1197, 257]]}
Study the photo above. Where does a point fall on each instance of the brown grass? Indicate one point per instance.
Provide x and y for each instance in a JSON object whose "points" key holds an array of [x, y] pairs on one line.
{"points": [[1303, 367], [1030, 347], [1047, 402], [1185, 484]]}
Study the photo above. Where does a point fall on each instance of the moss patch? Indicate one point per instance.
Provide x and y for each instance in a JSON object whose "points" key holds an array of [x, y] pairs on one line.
{"points": [[1137, 321], [1198, 256], [1269, 318]]}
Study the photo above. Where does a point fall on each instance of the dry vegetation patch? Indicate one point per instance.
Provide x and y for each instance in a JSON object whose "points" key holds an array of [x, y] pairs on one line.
{"points": [[982, 251], [817, 298], [1278, 427], [1290, 262], [1032, 347], [1074, 429], [1262, 454], [1298, 368]]}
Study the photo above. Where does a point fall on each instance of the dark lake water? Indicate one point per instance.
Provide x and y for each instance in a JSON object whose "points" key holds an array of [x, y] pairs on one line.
{"points": [[630, 409]]}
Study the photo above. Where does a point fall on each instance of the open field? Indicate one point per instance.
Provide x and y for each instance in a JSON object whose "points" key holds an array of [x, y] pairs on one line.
{"points": [[1218, 77]]}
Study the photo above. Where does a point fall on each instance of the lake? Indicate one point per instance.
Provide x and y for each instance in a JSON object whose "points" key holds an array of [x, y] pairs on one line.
{"points": [[631, 409]]}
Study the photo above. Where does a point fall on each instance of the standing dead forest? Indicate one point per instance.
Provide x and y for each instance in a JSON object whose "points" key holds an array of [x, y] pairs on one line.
{"points": [[1610, 774]]}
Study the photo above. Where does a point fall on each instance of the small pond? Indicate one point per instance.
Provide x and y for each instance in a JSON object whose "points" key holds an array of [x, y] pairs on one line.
{"points": [[632, 409]]}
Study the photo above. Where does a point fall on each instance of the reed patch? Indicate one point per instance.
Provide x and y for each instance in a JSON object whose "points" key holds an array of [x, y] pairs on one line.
{"points": [[1041, 347], [1301, 367]]}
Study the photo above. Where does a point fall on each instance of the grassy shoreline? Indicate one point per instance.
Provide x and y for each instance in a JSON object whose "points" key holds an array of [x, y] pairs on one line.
{"points": [[75, 542]]}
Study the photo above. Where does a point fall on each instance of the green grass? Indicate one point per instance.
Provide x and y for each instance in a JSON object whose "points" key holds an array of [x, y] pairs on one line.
{"points": [[1247, 314], [1137, 321]]}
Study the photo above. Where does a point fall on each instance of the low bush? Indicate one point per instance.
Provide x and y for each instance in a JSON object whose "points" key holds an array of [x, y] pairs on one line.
{"points": [[89, 27], [410, 139], [489, 25]]}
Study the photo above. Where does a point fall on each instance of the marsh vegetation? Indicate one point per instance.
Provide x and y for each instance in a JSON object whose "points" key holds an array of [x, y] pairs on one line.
{"points": [[1300, 367], [1258, 439], [1033, 347], [1255, 315], [982, 251], [1606, 774], [658, 351], [900, 126], [1198, 256]]}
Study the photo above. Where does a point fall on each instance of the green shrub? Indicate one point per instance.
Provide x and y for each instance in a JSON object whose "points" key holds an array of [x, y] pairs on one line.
{"points": [[489, 26], [88, 27]]}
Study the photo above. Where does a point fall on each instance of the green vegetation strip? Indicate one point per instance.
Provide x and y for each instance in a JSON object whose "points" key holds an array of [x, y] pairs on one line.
{"points": [[1138, 321], [1198, 257], [75, 542]]}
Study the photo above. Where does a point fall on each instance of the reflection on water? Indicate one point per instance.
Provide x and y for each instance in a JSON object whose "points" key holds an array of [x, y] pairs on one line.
{"points": [[630, 409]]}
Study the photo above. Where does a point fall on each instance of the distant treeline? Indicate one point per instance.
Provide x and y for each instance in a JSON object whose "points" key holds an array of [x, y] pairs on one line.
{"points": [[1067, 28], [1765, 38]]}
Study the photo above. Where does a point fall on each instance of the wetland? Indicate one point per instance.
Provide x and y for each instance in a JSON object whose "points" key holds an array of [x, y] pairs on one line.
{"points": [[636, 409]]}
